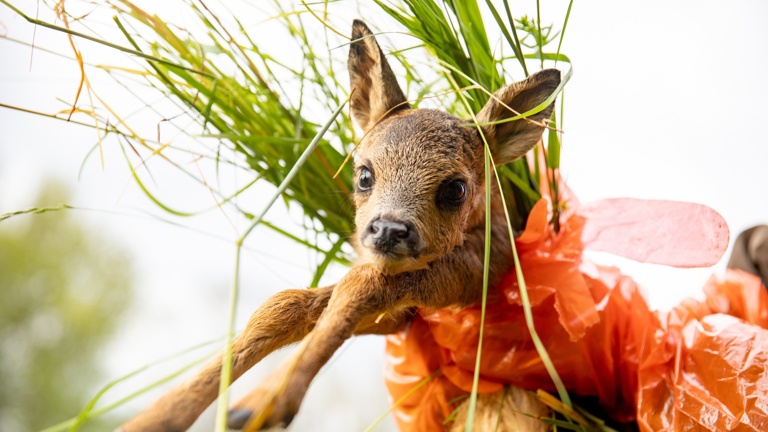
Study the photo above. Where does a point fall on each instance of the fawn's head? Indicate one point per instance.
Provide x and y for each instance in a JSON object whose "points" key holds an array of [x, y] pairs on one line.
{"points": [[419, 172]]}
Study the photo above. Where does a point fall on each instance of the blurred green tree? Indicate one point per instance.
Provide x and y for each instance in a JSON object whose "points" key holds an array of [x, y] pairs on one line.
{"points": [[63, 288]]}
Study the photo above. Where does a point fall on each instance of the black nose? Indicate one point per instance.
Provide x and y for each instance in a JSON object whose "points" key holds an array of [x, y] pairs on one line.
{"points": [[388, 230], [392, 236]]}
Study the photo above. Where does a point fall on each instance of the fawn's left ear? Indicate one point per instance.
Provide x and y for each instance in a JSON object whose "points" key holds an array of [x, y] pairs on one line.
{"points": [[510, 140], [374, 86]]}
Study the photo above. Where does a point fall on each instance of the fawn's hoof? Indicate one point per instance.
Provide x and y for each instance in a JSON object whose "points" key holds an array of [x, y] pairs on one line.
{"points": [[238, 417]]}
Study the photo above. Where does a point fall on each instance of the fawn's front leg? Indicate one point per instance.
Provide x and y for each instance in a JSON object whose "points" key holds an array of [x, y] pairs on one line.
{"points": [[284, 318], [357, 302], [256, 399], [361, 296]]}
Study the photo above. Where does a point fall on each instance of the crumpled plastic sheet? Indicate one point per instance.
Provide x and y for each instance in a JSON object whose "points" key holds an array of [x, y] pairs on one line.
{"points": [[701, 366]]}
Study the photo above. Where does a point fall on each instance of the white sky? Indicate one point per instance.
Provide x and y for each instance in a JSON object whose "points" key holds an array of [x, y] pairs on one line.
{"points": [[667, 101]]}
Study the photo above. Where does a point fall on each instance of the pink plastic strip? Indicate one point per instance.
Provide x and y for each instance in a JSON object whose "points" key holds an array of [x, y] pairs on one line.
{"points": [[672, 233]]}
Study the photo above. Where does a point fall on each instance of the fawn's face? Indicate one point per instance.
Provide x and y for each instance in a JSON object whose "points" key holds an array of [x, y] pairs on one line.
{"points": [[418, 178], [419, 172]]}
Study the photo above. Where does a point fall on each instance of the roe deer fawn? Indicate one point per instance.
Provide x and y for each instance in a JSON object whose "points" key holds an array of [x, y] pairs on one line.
{"points": [[420, 218]]}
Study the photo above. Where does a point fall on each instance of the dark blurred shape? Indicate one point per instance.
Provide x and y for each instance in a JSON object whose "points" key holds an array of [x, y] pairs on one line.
{"points": [[63, 288], [750, 252]]}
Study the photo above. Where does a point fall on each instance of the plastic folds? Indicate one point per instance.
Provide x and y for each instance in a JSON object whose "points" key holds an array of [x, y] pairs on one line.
{"points": [[701, 366]]}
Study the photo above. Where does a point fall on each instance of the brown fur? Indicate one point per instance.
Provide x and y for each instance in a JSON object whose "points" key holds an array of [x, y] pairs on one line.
{"points": [[411, 155]]}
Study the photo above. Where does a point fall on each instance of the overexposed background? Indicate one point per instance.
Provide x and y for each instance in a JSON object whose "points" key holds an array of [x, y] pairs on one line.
{"points": [[667, 101]]}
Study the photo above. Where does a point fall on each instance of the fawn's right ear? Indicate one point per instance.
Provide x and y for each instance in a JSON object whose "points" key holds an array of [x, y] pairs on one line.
{"points": [[510, 140], [374, 86]]}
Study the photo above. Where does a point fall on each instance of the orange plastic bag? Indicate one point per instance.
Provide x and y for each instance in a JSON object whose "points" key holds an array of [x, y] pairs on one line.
{"points": [[691, 368]]}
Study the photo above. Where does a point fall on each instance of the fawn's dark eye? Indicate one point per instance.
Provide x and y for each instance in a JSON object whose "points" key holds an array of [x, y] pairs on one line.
{"points": [[452, 194], [365, 180]]}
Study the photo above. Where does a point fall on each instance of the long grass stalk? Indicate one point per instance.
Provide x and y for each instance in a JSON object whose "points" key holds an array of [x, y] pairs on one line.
{"points": [[34, 210], [403, 398], [486, 267], [226, 364], [487, 161], [528, 313]]}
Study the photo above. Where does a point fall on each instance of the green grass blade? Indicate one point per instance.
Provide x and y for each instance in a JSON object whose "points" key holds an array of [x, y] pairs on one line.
{"points": [[539, 36], [329, 256], [515, 45], [402, 399], [486, 267], [512, 26], [553, 144], [562, 32], [149, 194], [528, 313], [34, 210]]}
